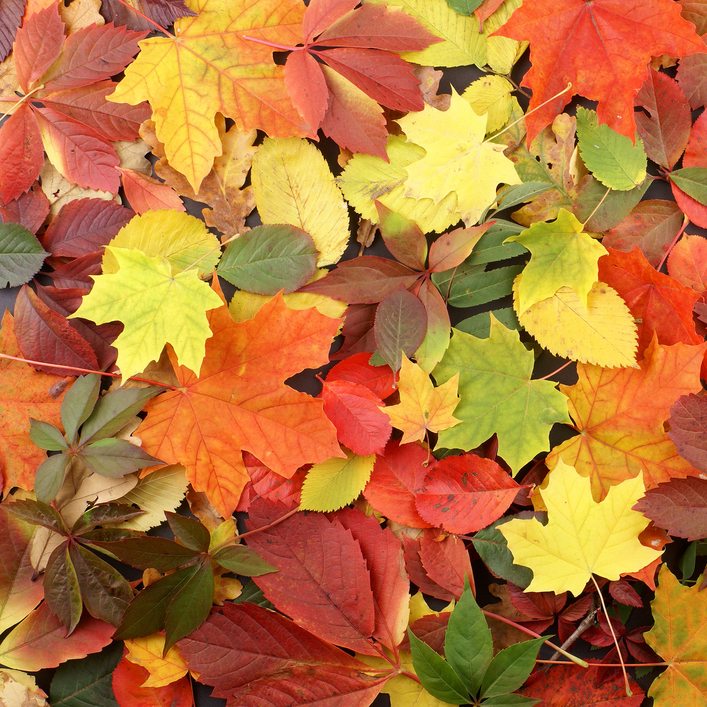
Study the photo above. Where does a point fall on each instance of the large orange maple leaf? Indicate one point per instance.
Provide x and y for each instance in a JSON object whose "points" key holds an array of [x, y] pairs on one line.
{"points": [[620, 412], [240, 402], [24, 393], [602, 47]]}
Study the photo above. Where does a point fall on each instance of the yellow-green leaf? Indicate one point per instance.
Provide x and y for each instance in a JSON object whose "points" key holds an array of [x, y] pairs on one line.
{"points": [[334, 483], [491, 95]]}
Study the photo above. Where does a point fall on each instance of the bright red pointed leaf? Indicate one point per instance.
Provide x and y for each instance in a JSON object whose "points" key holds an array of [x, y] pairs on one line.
{"points": [[21, 154], [660, 304], [325, 563], [688, 421], [466, 493], [252, 656], [268, 485], [45, 335], [687, 263], [389, 581], [322, 13], [40, 641], [396, 477], [696, 212], [355, 411], [10, 19], [127, 687], [665, 126], [306, 85], [37, 45], [357, 369], [445, 560], [29, 210], [144, 193], [679, 506], [418, 574], [620, 36]]}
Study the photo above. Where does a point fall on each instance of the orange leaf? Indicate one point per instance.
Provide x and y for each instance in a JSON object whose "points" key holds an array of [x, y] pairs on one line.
{"points": [[127, 688], [240, 402]]}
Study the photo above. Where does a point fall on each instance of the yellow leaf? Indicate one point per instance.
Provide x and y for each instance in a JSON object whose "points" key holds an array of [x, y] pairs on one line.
{"points": [[422, 406], [293, 184], [581, 537], [180, 238], [156, 306], [502, 51], [561, 256], [602, 333], [18, 688], [147, 652], [492, 95], [334, 483], [455, 149], [209, 67], [462, 43]]}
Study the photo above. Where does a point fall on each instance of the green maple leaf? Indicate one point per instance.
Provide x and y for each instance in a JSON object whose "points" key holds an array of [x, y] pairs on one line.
{"points": [[156, 306], [498, 396]]}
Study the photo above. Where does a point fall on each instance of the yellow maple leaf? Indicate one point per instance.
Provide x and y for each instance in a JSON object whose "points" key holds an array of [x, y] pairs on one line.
{"points": [[147, 652], [209, 66], [422, 406], [582, 537], [603, 332]]}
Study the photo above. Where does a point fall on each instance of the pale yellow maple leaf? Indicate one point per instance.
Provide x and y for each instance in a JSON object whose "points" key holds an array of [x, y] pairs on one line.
{"points": [[581, 537], [422, 407], [147, 652]]}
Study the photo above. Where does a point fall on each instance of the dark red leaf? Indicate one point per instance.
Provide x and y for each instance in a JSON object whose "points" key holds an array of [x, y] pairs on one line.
{"points": [[445, 560], [11, 12], [357, 331], [417, 573], [688, 421], [29, 210], [37, 45], [76, 273], [624, 593], [402, 237], [164, 12]]}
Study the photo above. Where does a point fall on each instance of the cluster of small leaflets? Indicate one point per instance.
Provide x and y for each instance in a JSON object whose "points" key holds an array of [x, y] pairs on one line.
{"points": [[329, 381]]}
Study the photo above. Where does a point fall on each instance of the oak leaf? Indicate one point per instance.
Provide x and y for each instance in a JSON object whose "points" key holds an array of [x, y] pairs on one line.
{"points": [[621, 36], [239, 402], [582, 537]]}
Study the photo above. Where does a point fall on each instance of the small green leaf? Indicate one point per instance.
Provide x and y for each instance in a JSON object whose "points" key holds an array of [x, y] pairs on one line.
{"points": [[78, 404], [400, 327], [516, 194], [189, 531], [49, 477], [693, 181], [468, 645], [144, 552], [116, 457], [21, 255], [510, 668], [189, 606], [480, 324], [464, 7], [268, 259], [493, 550], [46, 436], [437, 676], [253, 594], [473, 285], [242, 560], [614, 160]]}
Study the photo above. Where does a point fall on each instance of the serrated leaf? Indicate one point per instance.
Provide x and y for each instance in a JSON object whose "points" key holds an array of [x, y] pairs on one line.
{"points": [[21, 255], [333, 484], [510, 668], [693, 181], [242, 560], [400, 327], [436, 674], [79, 403]]}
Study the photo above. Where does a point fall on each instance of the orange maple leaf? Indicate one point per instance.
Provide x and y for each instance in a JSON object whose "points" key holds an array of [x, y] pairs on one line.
{"points": [[240, 402], [601, 47], [24, 393], [619, 414]]}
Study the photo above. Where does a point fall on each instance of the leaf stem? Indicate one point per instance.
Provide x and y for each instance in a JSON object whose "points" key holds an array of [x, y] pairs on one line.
{"points": [[555, 372], [545, 661], [274, 45], [147, 19], [613, 635], [673, 243], [17, 104], [586, 623], [277, 521], [596, 208]]}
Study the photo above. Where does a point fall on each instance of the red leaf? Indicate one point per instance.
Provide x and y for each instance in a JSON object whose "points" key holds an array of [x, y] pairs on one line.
{"points": [[396, 477], [445, 560], [430, 629], [145, 193], [30, 210], [76, 273], [418, 574], [357, 331], [21, 154], [266, 484], [451, 249], [164, 12], [625, 594], [93, 54], [357, 369], [128, 678], [84, 226], [687, 263], [11, 12], [253, 657], [37, 45], [691, 73], [355, 411], [389, 580], [666, 128], [661, 305], [79, 153], [679, 506], [402, 237], [45, 335], [688, 421], [465, 493], [306, 85], [325, 563], [322, 13], [696, 212], [40, 641]]}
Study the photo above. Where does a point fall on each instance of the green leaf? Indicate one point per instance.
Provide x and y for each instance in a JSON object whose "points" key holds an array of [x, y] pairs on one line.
{"points": [[116, 457], [46, 436], [614, 160], [468, 645], [50, 476], [493, 550], [268, 259], [105, 514], [242, 560], [693, 181], [492, 247], [189, 531], [473, 285], [189, 606], [253, 594], [509, 701], [88, 681], [38, 513], [400, 327], [600, 212], [78, 404], [464, 7], [144, 552], [62, 590], [436, 675], [510, 196], [510, 668], [480, 324], [21, 255]]}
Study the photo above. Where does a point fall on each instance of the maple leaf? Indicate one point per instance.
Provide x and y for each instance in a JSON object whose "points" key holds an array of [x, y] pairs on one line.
{"points": [[24, 393], [582, 537], [620, 36], [678, 637], [498, 396], [422, 407], [620, 415], [151, 299], [241, 382]]}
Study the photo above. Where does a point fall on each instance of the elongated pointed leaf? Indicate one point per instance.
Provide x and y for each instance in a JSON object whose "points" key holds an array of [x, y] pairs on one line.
{"points": [[400, 327], [437, 675]]}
